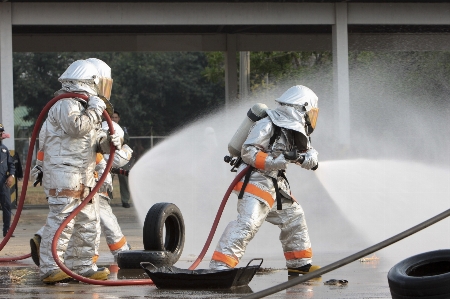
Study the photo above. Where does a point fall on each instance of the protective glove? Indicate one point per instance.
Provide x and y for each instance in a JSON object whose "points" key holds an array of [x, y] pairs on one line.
{"points": [[36, 173], [116, 141], [311, 159], [294, 156], [279, 163], [97, 105]]}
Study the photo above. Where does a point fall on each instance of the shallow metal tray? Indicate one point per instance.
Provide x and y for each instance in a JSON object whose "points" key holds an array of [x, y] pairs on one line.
{"points": [[176, 278]]}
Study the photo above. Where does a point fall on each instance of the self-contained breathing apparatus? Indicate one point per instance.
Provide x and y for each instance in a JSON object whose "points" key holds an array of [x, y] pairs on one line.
{"points": [[296, 155], [255, 113]]}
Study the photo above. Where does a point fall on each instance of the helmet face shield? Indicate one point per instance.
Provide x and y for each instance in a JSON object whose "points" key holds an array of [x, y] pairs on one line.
{"points": [[105, 87], [311, 120], [313, 114]]}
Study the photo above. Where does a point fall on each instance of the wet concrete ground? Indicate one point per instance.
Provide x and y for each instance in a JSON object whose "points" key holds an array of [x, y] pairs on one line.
{"points": [[21, 280]]}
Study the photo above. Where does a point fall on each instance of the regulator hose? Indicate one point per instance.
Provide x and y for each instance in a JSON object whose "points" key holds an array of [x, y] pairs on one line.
{"points": [[238, 177]]}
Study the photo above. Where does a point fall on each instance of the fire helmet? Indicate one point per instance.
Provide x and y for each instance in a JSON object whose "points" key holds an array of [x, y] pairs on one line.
{"points": [[92, 76], [303, 99], [298, 110]]}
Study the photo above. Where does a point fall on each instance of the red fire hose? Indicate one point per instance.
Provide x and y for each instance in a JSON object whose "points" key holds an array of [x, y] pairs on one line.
{"points": [[88, 198], [218, 215], [27, 174]]}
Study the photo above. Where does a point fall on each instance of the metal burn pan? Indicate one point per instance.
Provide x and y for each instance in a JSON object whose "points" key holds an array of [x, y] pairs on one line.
{"points": [[175, 278]]}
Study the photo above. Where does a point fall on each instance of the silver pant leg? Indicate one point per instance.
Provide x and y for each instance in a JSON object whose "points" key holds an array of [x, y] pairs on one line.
{"points": [[111, 228], [40, 231], [81, 249], [238, 233], [60, 208], [99, 232], [294, 235]]}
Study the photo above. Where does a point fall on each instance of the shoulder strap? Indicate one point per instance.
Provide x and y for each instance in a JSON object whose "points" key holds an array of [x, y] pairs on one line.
{"points": [[246, 180]]}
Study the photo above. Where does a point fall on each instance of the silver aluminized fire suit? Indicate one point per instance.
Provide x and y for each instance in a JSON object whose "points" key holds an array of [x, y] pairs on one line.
{"points": [[70, 138], [108, 221], [258, 202]]}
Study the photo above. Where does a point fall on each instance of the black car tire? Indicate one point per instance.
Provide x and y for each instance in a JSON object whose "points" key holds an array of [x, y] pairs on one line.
{"points": [[425, 276], [132, 259], [164, 218]]}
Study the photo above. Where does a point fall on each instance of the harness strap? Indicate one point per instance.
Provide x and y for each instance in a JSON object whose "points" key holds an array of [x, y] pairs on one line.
{"points": [[275, 185], [281, 174], [275, 135], [246, 180], [278, 195]]}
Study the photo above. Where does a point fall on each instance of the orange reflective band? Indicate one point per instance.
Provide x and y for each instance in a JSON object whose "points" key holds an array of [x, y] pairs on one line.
{"points": [[260, 161], [95, 258], [96, 174], [40, 155], [302, 254], [220, 257], [117, 245], [99, 158], [252, 189]]}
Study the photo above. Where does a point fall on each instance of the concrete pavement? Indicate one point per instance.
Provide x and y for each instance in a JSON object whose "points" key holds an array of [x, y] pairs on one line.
{"points": [[20, 279]]}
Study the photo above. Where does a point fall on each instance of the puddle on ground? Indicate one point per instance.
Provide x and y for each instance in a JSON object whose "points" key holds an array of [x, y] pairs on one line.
{"points": [[19, 275], [264, 271]]}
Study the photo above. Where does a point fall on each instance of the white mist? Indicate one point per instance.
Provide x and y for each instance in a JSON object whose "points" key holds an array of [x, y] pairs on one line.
{"points": [[394, 175]]}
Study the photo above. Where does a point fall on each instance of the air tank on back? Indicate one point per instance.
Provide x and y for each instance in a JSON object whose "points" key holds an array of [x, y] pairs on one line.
{"points": [[257, 112]]}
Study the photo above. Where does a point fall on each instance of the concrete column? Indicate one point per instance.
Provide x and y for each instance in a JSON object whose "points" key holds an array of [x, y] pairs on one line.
{"points": [[6, 73], [341, 75], [244, 75], [231, 80]]}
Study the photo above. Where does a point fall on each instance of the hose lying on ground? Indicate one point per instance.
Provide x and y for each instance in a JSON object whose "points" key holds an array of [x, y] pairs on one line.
{"points": [[349, 259]]}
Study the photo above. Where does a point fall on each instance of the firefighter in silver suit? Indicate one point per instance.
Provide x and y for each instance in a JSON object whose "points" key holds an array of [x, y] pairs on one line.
{"points": [[108, 221], [69, 140], [273, 143]]}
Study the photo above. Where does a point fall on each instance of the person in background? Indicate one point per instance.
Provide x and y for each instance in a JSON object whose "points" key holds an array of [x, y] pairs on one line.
{"points": [[18, 177], [7, 173], [108, 221], [123, 180]]}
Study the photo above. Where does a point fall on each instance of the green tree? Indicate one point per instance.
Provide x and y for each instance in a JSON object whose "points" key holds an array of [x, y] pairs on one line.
{"points": [[154, 92], [269, 69]]}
